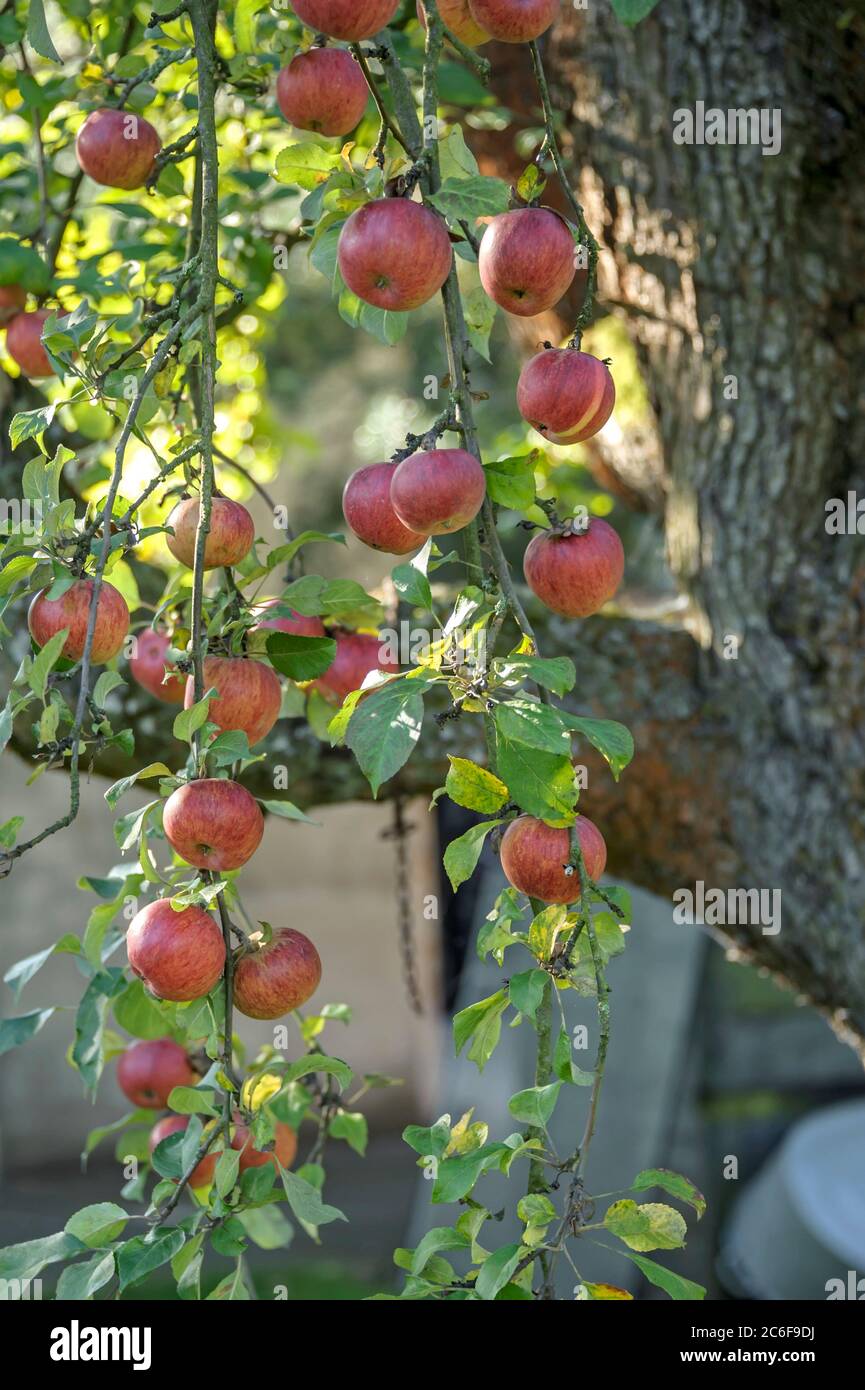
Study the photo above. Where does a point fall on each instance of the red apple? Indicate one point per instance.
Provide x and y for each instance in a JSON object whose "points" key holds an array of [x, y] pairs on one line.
{"points": [[298, 625], [346, 19], [272, 979], [178, 955], [323, 90], [12, 301], [149, 668], [285, 1148], [24, 343], [368, 510], [394, 253], [231, 536], [249, 699], [202, 1175], [117, 148], [527, 260], [148, 1072], [566, 395], [514, 21], [456, 16], [213, 824], [357, 653], [575, 575], [437, 492], [534, 856], [48, 616]]}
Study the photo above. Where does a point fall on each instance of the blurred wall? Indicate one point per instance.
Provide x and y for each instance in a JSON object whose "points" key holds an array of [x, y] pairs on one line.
{"points": [[334, 881]]}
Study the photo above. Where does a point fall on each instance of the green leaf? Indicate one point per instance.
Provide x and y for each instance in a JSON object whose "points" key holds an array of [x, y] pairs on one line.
{"points": [[27, 1260], [227, 1169], [189, 721], [267, 1226], [194, 1100], [480, 315], [473, 786], [531, 184], [79, 1282], [467, 199], [429, 1141], [305, 1201], [535, 1105], [352, 1128], [462, 854], [37, 32], [287, 810], [649, 1226], [118, 789], [29, 424], [306, 165], [482, 1022], [543, 784], [17, 569], [18, 975], [673, 1184], [44, 662], [300, 658], [385, 727], [536, 725], [412, 586], [22, 265], [613, 741], [457, 1176], [388, 325], [97, 1225], [564, 1065], [511, 481], [556, 673], [141, 1255], [679, 1288], [496, 1270], [630, 12], [244, 23], [439, 1238], [526, 991], [15, 1031]]}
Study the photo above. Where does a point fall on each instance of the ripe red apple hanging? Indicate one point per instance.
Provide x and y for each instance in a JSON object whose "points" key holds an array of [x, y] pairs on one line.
{"points": [[527, 260], [438, 491], [357, 654], [575, 573], [178, 955], [350, 20], [566, 395], [284, 1149], [148, 666], [12, 301], [249, 695], [394, 253], [24, 343], [275, 977], [369, 511], [456, 15], [324, 91], [148, 1072], [514, 21], [213, 823], [202, 1173], [48, 616], [299, 625], [534, 857], [229, 541], [117, 148]]}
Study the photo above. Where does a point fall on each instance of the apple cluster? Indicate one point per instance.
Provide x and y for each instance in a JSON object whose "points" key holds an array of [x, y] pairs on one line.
{"points": [[147, 1073]]}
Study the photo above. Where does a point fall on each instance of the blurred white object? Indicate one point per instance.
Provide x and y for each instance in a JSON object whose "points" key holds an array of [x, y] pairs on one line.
{"points": [[798, 1229]]}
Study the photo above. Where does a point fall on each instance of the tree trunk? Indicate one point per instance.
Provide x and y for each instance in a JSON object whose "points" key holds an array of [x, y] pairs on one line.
{"points": [[731, 263], [747, 709]]}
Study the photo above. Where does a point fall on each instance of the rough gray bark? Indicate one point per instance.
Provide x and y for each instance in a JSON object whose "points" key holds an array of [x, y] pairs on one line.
{"points": [[749, 771], [726, 262]]}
